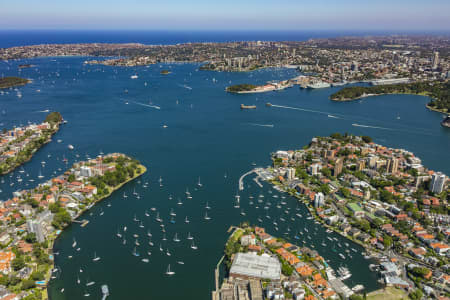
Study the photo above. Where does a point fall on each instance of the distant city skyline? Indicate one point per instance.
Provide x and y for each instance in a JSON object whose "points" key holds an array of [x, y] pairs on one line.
{"points": [[400, 15]]}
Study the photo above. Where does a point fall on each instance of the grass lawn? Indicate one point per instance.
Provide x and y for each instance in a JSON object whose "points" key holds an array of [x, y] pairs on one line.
{"points": [[390, 293]]}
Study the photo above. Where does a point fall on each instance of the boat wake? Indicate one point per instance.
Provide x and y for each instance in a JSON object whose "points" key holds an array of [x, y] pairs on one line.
{"points": [[185, 86], [146, 105], [44, 111], [307, 110], [262, 125], [368, 126]]}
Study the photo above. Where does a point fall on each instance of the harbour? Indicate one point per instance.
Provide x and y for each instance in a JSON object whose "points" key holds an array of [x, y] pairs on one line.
{"points": [[136, 130]]}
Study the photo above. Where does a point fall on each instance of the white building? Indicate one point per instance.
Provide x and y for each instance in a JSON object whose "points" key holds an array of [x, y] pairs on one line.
{"points": [[437, 183], [319, 200]]}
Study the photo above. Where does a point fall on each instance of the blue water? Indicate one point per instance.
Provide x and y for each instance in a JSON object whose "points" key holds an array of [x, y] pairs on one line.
{"points": [[207, 136], [10, 38]]}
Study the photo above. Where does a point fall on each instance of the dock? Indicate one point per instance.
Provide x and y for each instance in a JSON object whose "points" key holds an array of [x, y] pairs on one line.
{"points": [[241, 179]]}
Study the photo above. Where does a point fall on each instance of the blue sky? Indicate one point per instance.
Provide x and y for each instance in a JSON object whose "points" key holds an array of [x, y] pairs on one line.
{"points": [[425, 15]]}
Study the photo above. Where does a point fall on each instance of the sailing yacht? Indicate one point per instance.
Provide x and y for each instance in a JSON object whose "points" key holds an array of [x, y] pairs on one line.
{"points": [[149, 233], [207, 205], [40, 176], [193, 246], [199, 183], [176, 239], [135, 253], [96, 258], [186, 220], [169, 272], [237, 197], [206, 216], [190, 237], [74, 244]]}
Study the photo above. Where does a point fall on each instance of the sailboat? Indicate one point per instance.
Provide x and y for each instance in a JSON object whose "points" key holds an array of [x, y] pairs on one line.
{"points": [[40, 176], [190, 237], [169, 272], [206, 216], [176, 239], [74, 244], [135, 253], [237, 197], [96, 258], [149, 233], [186, 220], [207, 205], [199, 183], [193, 246]]}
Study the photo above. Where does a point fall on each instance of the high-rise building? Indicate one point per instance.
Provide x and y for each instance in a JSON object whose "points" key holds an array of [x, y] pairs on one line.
{"points": [[319, 200], [361, 164], [435, 63], [338, 166], [437, 183], [392, 166], [290, 174]]}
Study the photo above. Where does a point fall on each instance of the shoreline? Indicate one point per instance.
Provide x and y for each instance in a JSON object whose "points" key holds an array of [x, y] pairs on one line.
{"points": [[15, 166], [82, 212]]}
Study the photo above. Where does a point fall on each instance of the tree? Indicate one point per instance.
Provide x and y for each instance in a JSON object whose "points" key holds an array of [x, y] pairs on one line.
{"points": [[387, 241], [28, 284], [18, 263], [30, 238], [366, 139], [344, 192]]}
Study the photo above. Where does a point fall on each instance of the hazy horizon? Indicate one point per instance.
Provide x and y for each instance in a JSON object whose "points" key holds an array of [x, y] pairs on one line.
{"points": [[400, 15]]}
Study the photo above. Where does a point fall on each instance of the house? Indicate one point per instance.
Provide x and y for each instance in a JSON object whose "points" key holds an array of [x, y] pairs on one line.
{"points": [[6, 259]]}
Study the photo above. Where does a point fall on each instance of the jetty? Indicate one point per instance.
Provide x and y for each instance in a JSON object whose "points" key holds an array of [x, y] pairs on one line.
{"points": [[241, 179]]}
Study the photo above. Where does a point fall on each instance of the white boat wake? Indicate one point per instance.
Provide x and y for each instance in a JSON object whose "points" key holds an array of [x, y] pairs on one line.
{"points": [[375, 127], [185, 86], [146, 105], [262, 125]]}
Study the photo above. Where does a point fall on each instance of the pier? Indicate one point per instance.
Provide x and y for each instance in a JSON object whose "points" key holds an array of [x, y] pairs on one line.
{"points": [[241, 179]]}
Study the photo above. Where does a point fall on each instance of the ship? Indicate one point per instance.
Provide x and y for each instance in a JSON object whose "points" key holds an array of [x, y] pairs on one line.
{"points": [[248, 106], [268, 104]]}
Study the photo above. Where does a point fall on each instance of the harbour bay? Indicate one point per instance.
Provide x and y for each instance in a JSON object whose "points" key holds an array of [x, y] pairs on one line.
{"points": [[207, 136]]}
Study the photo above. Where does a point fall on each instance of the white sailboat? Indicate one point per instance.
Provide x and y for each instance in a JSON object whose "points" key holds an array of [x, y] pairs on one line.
{"points": [[193, 246], [169, 272], [96, 258]]}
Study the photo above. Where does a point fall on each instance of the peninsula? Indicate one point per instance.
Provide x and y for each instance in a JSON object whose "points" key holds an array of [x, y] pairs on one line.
{"points": [[9, 82], [382, 198], [33, 219], [19, 144], [439, 91]]}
